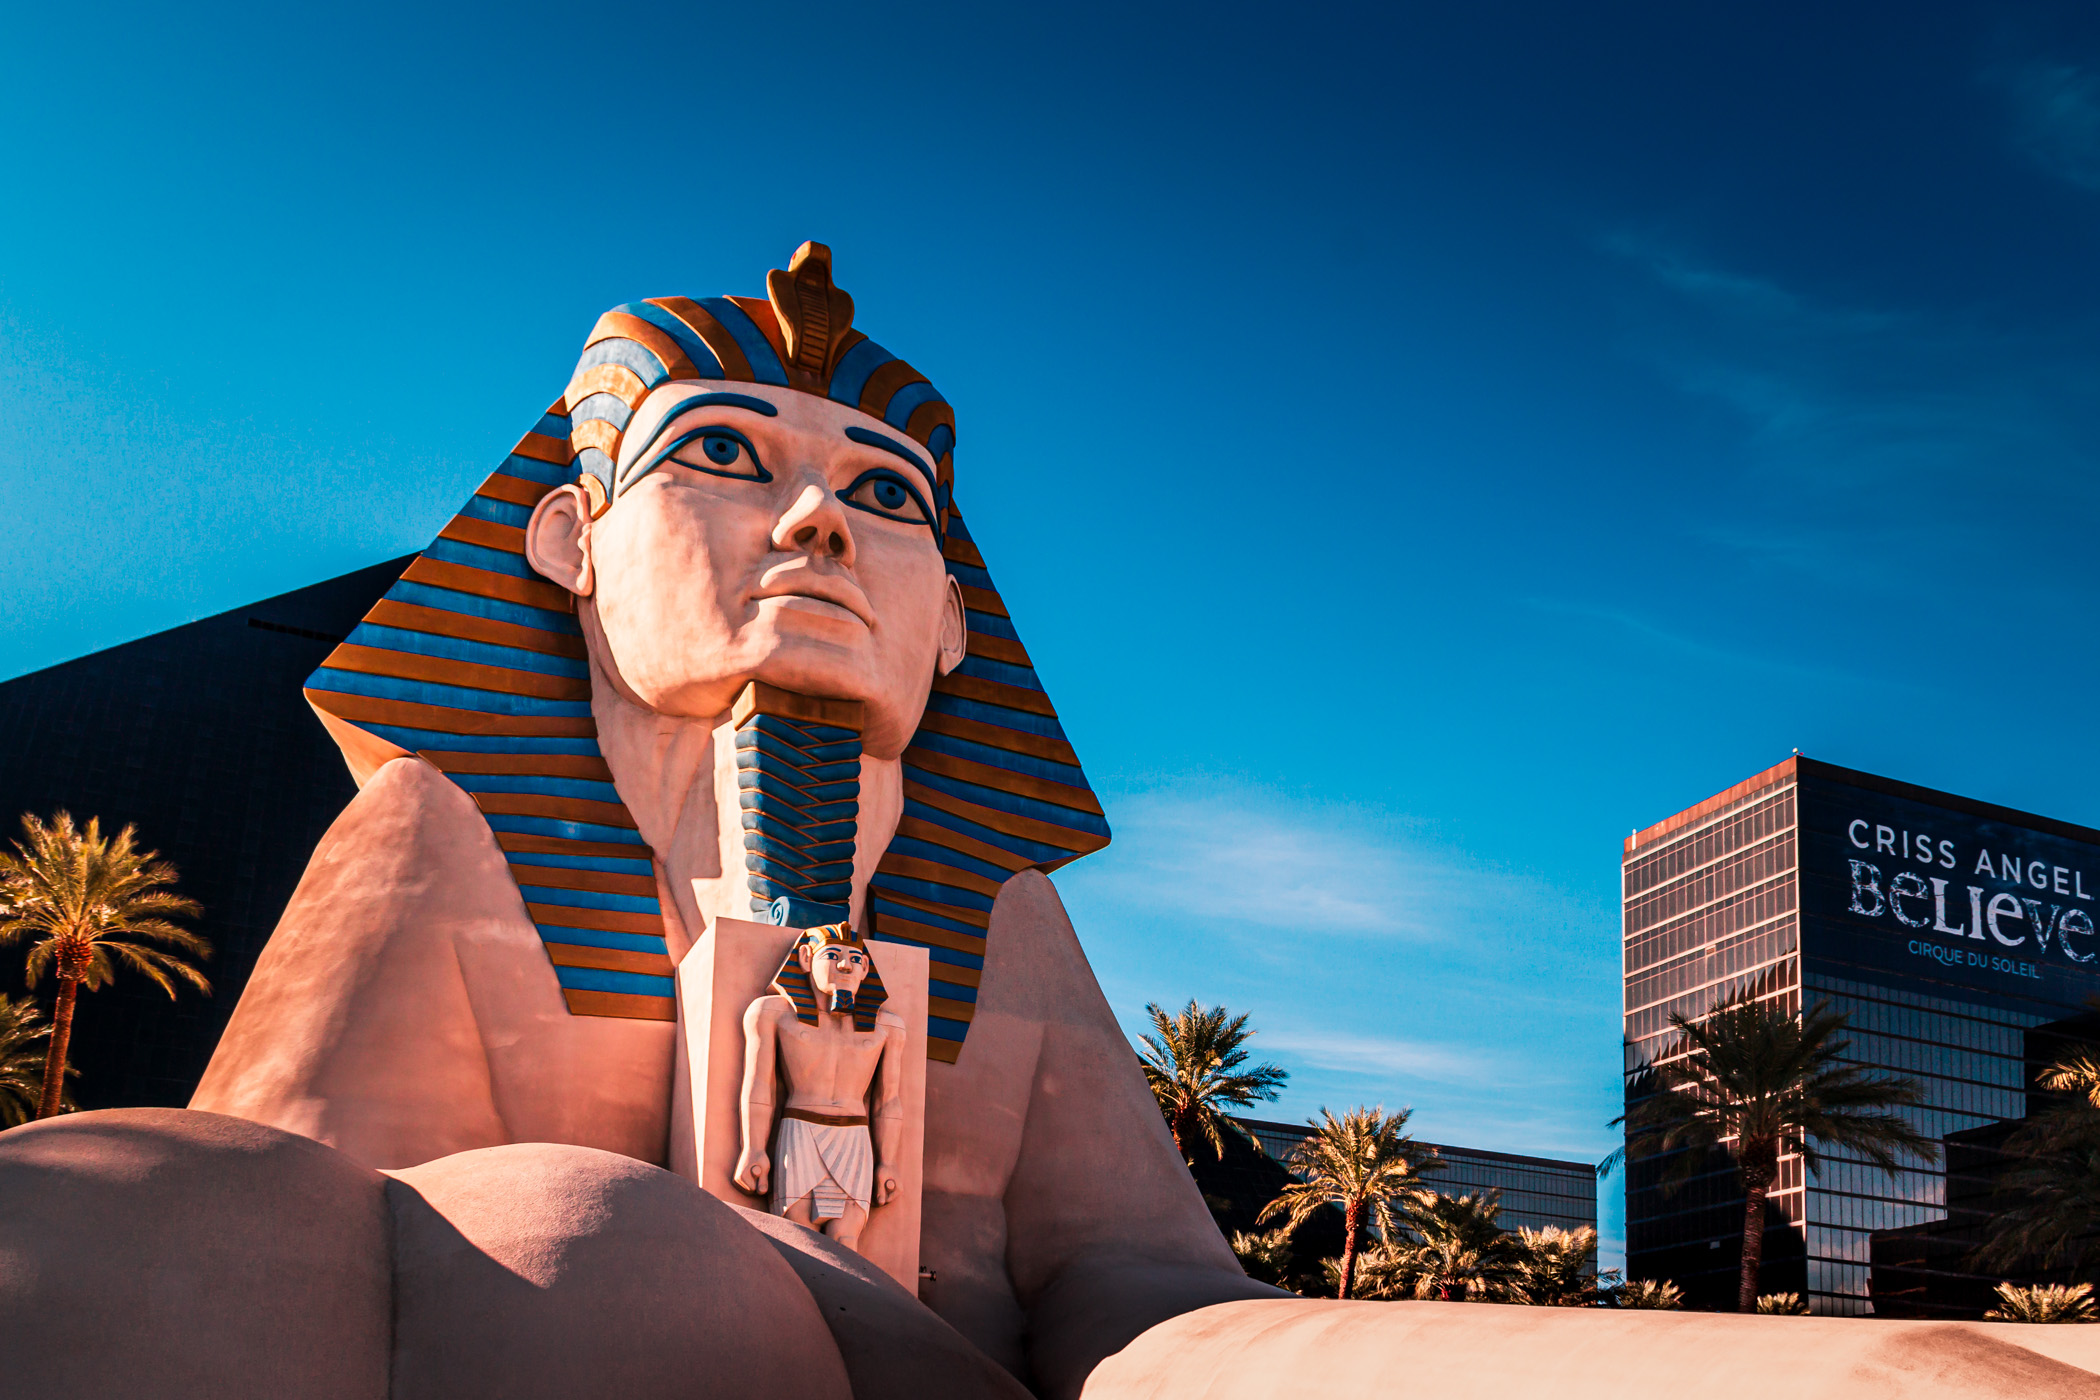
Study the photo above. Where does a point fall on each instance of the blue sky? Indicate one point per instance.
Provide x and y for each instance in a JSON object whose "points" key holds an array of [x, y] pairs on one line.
{"points": [[1419, 444]]}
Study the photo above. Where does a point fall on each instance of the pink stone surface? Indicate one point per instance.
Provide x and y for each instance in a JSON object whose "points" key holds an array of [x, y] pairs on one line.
{"points": [[553, 1272], [405, 1008], [894, 1348], [189, 1256], [1261, 1350], [731, 967]]}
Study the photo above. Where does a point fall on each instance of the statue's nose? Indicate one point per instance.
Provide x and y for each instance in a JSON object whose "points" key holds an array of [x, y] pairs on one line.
{"points": [[815, 523]]}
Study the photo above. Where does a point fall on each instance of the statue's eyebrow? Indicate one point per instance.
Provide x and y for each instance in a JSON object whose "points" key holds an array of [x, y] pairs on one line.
{"points": [[895, 448], [684, 405]]}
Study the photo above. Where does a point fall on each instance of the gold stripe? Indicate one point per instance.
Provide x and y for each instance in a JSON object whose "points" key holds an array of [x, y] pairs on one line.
{"points": [[712, 333], [627, 1005], [999, 649], [966, 845], [983, 600], [604, 920], [484, 583], [624, 325], [828, 1120], [540, 447], [367, 709], [1013, 697], [441, 670], [568, 809], [514, 489], [595, 432], [1004, 780], [529, 844], [539, 765], [618, 380], [917, 868], [946, 1051], [888, 923], [961, 551], [609, 959], [486, 533], [999, 737], [964, 1011], [1028, 828], [438, 622], [960, 913], [760, 698], [562, 877]]}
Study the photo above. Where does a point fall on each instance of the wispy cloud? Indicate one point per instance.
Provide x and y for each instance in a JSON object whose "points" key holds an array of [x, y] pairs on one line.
{"points": [[1218, 851], [1386, 1058], [2055, 119]]}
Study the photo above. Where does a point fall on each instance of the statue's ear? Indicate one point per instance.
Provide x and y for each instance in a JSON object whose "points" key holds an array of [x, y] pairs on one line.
{"points": [[955, 629], [558, 539], [806, 956]]}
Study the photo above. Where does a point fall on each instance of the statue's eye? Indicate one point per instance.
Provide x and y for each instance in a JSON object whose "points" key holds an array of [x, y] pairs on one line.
{"points": [[883, 492], [719, 451]]}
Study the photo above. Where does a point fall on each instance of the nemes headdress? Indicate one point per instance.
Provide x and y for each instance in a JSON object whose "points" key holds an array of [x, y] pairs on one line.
{"points": [[475, 663], [796, 985]]}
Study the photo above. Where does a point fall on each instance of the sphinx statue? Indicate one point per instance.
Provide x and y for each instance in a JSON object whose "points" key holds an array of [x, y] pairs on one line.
{"points": [[712, 653]]}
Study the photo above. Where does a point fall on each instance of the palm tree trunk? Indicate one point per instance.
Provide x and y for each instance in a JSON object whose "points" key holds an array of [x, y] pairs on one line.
{"points": [[1352, 1219], [55, 1051], [1760, 1165]]}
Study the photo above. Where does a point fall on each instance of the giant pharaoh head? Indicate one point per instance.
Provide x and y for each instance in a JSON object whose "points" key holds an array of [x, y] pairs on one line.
{"points": [[731, 489]]}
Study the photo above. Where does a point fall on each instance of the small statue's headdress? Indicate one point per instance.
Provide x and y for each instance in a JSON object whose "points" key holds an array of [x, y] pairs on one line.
{"points": [[794, 983], [801, 337]]}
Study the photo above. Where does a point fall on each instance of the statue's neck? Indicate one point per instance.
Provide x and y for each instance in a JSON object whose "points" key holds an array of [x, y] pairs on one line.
{"points": [[796, 812]]}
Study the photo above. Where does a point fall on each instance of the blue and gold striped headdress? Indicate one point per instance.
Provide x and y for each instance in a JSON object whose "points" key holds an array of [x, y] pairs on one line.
{"points": [[475, 663], [796, 985]]}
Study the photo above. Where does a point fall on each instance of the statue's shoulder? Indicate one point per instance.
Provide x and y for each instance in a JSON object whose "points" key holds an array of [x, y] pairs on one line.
{"points": [[411, 833], [889, 1020], [768, 1010]]}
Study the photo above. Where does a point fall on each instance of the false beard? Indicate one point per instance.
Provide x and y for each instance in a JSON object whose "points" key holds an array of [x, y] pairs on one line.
{"points": [[841, 1001]]}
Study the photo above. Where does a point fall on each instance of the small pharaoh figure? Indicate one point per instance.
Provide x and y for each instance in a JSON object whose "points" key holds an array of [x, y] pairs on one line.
{"points": [[825, 1028]]}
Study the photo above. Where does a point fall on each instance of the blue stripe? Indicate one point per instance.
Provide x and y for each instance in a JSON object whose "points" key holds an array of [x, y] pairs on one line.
{"points": [[533, 469], [598, 979], [501, 512], [906, 400], [999, 758], [621, 351], [883, 906], [1020, 846], [600, 938], [983, 713], [954, 991], [589, 899], [970, 576], [929, 891], [1000, 801], [451, 697], [474, 556], [765, 365], [494, 609], [384, 638], [941, 1028], [991, 625], [851, 375], [695, 348], [552, 425], [940, 442], [602, 407], [961, 531], [937, 953], [544, 786], [418, 739], [925, 850], [567, 830], [985, 669], [609, 864]]}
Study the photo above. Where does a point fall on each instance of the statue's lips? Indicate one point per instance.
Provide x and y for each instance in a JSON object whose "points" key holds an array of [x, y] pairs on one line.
{"points": [[822, 594]]}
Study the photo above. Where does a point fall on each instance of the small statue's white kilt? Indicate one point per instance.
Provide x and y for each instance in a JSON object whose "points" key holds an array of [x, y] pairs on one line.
{"points": [[831, 1165]]}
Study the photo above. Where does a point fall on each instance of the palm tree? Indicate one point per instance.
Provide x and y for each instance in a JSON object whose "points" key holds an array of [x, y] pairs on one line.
{"points": [[1782, 1304], [1193, 1066], [2048, 1302], [1653, 1293], [1464, 1251], [1362, 1162], [1554, 1267], [1755, 1083], [1265, 1256], [78, 899], [22, 1032], [2050, 1207]]}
